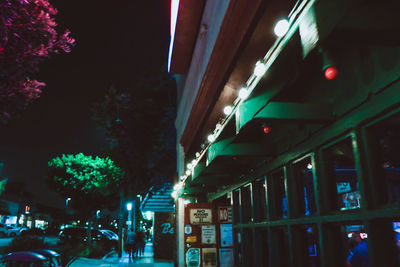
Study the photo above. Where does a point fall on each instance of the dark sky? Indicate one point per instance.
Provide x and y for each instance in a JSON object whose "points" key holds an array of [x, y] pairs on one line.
{"points": [[114, 41]]}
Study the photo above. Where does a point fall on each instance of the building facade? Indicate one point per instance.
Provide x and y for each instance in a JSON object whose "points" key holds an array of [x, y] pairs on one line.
{"points": [[289, 114]]}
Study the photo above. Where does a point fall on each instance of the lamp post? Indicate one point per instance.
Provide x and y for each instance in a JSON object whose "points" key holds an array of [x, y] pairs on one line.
{"points": [[129, 208]]}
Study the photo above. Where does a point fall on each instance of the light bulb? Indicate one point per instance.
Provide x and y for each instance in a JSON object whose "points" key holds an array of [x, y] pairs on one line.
{"points": [[228, 110], [189, 165], [211, 138], [281, 27], [188, 172], [243, 93], [260, 69], [197, 154]]}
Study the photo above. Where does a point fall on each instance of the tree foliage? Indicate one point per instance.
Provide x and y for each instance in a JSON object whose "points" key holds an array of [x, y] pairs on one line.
{"points": [[27, 37], [85, 179], [139, 124]]}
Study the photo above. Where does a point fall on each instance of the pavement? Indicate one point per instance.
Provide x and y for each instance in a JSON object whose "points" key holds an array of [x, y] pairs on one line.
{"points": [[112, 259]]}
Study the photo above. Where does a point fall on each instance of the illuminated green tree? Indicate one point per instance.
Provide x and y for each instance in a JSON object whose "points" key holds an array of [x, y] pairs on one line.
{"points": [[91, 182]]}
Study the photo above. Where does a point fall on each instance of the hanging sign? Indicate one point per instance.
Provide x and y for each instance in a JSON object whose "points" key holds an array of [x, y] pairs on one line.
{"points": [[208, 234], [193, 257], [200, 216]]}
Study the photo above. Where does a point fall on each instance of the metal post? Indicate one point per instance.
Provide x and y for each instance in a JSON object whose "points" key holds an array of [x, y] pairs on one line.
{"points": [[134, 216]]}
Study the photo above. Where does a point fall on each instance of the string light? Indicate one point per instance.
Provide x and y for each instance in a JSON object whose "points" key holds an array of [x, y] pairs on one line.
{"points": [[228, 110], [243, 93], [281, 28]]}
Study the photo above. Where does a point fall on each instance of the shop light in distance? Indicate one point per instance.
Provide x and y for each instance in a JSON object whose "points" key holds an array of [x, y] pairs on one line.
{"points": [[228, 110], [281, 27]]}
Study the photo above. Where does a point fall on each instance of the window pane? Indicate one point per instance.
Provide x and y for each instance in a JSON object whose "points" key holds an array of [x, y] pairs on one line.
{"points": [[280, 194], [355, 238], [341, 165], [396, 229], [386, 137], [236, 203], [304, 176], [246, 204], [260, 207], [312, 245], [262, 244]]}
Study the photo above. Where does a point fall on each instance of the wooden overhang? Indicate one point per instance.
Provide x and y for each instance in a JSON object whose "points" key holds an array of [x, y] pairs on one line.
{"points": [[187, 25], [245, 36]]}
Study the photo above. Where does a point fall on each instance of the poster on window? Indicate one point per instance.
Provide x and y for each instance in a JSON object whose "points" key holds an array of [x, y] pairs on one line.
{"points": [[193, 257], [209, 257], [226, 257], [208, 234], [226, 235]]}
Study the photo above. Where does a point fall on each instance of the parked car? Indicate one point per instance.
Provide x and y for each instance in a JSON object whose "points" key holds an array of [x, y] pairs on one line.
{"points": [[25, 259], [53, 256], [3, 230], [110, 234], [15, 231], [79, 235], [32, 232]]}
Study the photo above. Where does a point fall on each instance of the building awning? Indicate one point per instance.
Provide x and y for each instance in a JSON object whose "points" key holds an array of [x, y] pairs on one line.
{"points": [[158, 200]]}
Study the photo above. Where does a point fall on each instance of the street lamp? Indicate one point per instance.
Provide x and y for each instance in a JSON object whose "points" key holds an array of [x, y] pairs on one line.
{"points": [[129, 208]]}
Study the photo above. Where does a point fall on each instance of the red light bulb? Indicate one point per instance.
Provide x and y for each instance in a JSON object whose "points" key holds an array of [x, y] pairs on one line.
{"points": [[267, 129], [331, 73]]}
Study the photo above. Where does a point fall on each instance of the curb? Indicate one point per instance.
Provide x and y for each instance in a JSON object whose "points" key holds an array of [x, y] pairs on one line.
{"points": [[108, 255]]}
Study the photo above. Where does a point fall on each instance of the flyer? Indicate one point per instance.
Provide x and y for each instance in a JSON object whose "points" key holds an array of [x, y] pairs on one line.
{"points": [[209, 257], [208, 234], [226, 235], [193, 257], [226, 257]]}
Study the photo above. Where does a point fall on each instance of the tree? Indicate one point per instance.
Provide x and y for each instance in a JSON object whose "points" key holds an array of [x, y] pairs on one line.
{"points": [[27, 37], [91, 182], [139, 124]]}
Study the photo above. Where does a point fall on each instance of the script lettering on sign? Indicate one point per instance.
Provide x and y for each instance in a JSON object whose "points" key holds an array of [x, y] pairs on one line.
{"points": [[166, 228], [200, 216]]}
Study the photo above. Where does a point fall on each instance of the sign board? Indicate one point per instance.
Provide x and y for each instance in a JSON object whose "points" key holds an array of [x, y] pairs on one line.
{"points": [[208, 234], [191, 239], [188, 229], [209, 257], [225, 214], [193, 257], [226, 235], [200, 216]]}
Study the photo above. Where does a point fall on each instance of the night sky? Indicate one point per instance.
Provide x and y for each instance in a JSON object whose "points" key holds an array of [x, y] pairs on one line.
{"points": [[114, 40]]}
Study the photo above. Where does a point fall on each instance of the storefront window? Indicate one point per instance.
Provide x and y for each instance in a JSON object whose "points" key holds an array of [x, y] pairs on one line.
{"points": [[262, 242], [355, 243], [386, 138], [260, 205], [396, 232], [312, 246], [304, 176], [236, 203], [341, 165], [246, 203], [278, 179]]}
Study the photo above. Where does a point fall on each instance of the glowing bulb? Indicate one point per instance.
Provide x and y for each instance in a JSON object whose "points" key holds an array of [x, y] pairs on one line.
{"points": [[197, 154], [176, 187], [331, 73], [188, 172], [194, 162], [309, 166], [189, 165], [228, 110], [211, 138], [260, 69], [174, 194], [281, 27], [218, 126], [243, 93]]}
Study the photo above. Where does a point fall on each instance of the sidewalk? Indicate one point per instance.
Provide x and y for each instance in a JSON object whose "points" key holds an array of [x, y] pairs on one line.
{"points": [[112, 260]]}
